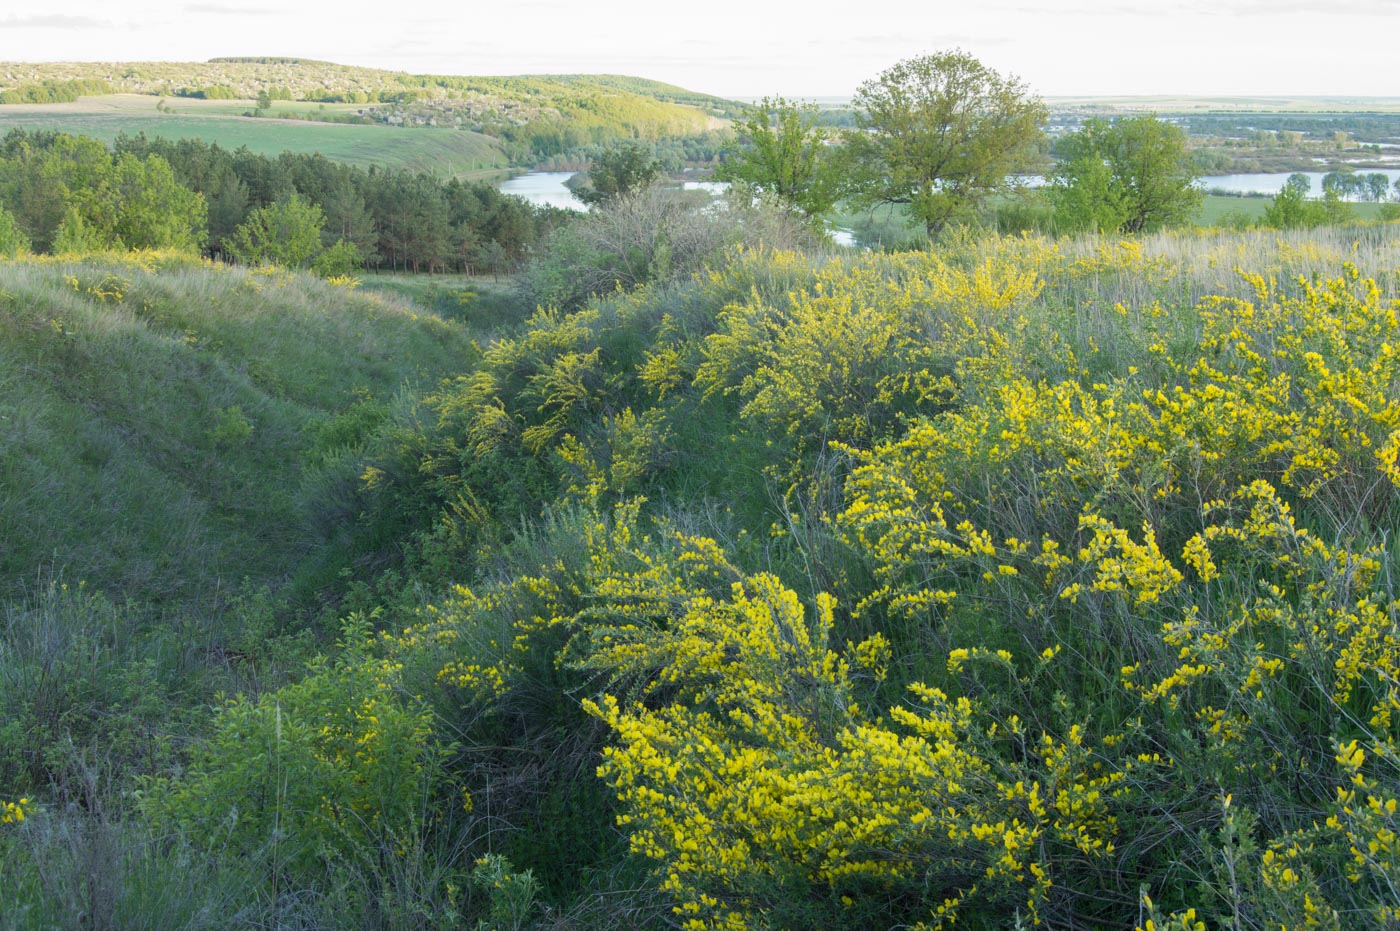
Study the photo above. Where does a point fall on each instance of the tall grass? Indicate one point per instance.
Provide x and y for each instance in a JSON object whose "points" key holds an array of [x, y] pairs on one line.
{"points": [[160, 416]]}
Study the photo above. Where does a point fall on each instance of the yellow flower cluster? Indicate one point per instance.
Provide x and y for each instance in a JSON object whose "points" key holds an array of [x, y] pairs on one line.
{"points": [[14, 812]]}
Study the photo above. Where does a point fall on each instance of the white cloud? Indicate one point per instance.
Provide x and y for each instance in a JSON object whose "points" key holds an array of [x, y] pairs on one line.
{"points": [[53, 21]]}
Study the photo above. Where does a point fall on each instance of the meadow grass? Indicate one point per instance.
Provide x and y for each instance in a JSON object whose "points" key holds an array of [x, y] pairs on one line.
{"points": [[160, 421], [484, 304], [1221, 209]]}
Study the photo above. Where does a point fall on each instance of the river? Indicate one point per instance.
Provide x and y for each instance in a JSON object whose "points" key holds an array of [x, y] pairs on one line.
{"points": [[1272, 182], [548, 188], [545, 188]]}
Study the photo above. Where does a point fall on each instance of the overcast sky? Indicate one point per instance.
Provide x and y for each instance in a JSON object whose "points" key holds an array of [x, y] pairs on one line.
{"points": [[757, 47]]}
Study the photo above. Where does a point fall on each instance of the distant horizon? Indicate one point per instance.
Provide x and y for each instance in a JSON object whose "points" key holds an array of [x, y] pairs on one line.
{"points": [[1210, 48], [1220, 100]]}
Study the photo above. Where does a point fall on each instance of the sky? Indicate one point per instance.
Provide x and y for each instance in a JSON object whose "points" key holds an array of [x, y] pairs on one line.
{"points": [[817, 48]]}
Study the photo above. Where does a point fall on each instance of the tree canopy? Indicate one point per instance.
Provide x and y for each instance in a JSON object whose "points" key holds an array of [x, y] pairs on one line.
{"points": [[48, 182], [285, 233], [68, 193], [1129, 175], [940, 133], [12, 238], [617, 173], [782, 153]]}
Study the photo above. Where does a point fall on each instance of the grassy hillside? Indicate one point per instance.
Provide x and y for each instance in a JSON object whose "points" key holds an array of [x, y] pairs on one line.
{"points": [[1016, 580], [718, 106], [166, 422], [441, 152], [535, 116]]}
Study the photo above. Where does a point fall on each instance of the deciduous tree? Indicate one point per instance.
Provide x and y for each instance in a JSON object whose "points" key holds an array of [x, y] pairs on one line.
{"points": [[1377, 184], [1341, 182], [940, 133], [617, 173], [1130, 175], [781, 152], [12, 238], [1291, 208], [285, 233]]}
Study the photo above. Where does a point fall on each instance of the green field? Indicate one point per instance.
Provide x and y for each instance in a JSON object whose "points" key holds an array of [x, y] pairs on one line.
{"points": [[1216, 209], [444, 152], [893, 225]]}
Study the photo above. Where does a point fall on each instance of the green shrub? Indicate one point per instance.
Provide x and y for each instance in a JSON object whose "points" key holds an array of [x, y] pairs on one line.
{"points": [[12, 238], [338, 767]]}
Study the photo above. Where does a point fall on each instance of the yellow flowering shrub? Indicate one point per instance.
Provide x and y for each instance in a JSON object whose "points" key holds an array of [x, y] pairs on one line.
{"points": [[768, 797], [1079, 585]]}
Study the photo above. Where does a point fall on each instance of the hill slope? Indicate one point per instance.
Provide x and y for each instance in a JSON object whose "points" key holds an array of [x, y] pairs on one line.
{"points": [[441, 152], [532, 115], [165, 427]]}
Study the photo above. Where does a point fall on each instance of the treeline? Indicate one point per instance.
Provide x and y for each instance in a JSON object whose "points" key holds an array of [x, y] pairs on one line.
{"points": [[670, 93], [55, 91], [1291, 128], [538, 118], [212, 92], [62, 193], [191, 194], [267, 60], [671, 153]]}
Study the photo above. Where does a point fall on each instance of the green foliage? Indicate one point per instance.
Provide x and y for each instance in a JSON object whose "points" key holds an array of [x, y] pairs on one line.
{"points": [[654, 236], [1341, 182], [337, 260], [212, 92], [150, 209], [232, 427], [12, 238], [988, 708], [335, 767], [55, 91], [1087, 198], [82, 675], [157, 194], [781, 152], [1130, 175], [511, 894], [75, 237], [1292, 209], [618, 173], [940, 133], [122, 201], [287, 233], [1021, 580]]}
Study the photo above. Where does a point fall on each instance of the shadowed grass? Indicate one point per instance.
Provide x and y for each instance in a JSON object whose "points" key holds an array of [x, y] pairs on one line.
{"points": [[159, 422]]}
